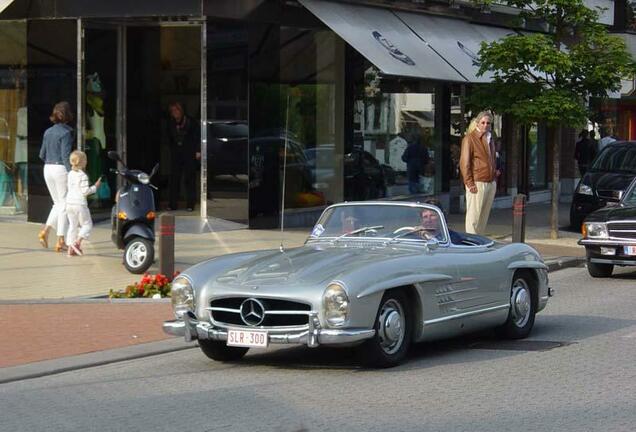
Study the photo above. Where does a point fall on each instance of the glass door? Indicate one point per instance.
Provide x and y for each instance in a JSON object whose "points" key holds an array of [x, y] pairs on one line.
{"points": [[100, 111]]}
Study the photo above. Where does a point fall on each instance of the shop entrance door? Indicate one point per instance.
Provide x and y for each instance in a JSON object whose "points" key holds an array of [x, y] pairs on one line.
{"points": [[163, 67], [100, 110]]}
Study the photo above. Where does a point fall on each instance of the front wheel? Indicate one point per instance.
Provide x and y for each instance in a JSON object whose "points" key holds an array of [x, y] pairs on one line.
{"points": [[138, 255], [522, 308], [599, 270], [393, 328], [219, 351]]}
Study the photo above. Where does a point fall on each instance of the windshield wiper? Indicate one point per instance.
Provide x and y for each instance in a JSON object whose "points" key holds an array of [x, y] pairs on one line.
{"points": [[358, 231]]}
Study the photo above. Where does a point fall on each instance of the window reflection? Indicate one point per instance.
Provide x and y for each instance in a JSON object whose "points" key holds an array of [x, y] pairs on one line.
{"points": [[13, 118], [396, 135]]}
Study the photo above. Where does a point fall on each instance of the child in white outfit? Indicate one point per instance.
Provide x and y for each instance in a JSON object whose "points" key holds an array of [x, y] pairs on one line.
{"points": [[76, 206]]}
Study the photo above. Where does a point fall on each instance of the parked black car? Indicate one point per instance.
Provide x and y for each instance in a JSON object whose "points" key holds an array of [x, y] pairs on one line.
{"points": [[609, 235], [365, 177], [605, 182]]}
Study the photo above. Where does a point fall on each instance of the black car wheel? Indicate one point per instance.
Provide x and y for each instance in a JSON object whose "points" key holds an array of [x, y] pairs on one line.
{"points": [[219, 351], [599, 270], [393, 328], [522, 308]]}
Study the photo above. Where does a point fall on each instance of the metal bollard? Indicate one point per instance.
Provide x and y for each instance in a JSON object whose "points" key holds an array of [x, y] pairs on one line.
{"points": [[519, 218], [166, 245]]}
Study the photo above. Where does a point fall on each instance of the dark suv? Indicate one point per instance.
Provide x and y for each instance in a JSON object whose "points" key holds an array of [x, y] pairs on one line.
{"points": [[605, 182]]}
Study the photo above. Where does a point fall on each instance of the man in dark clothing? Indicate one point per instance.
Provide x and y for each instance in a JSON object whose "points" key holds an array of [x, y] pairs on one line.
{"points": [[416, 157], [184, 142], [584, 152]]}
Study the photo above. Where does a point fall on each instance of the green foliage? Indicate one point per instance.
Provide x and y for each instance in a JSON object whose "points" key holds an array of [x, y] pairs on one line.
{"points": [[549, 76]]}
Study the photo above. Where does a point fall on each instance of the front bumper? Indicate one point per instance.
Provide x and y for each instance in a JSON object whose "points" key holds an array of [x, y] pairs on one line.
{"points": [[597, 251], [191, 329]]}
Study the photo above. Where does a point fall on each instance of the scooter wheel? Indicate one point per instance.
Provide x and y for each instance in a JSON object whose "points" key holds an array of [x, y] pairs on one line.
{"points": [[138, 255]]}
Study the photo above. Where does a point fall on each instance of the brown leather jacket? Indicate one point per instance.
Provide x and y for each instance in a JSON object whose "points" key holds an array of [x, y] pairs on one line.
{"points": [[476, 162]]}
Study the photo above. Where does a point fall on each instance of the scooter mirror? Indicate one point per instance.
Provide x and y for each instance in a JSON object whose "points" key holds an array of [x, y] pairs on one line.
{"points": [[114, 156], [154, 170]]}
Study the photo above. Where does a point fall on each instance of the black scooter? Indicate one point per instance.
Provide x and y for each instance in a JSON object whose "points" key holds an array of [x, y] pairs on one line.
{"points": [[133, 217]]}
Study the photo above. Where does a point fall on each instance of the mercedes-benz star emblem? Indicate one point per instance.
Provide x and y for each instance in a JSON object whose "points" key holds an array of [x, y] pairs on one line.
{"points": [[252, 312]]}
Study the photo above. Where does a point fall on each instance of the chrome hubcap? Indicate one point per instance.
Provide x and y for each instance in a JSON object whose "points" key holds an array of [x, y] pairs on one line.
{"points": [[391, 326], [521, 303], [136, 254]]}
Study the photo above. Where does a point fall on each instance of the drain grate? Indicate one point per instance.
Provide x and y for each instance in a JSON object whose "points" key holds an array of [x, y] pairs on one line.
{"points": [[518, 345]]}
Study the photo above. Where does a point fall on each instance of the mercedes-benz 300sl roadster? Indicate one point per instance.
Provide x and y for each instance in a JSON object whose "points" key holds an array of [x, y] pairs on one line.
{"points": [[376, 275]]}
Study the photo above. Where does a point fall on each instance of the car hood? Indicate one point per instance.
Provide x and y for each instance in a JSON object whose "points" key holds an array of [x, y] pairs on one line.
{"points": [[313, 264], [607, 180], [613, 213]]}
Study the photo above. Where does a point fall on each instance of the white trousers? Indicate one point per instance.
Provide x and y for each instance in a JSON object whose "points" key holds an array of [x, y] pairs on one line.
{"points": [[478, 206], [79, 218], [55, 178]]}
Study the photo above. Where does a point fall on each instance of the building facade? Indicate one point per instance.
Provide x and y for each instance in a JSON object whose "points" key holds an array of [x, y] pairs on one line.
{"points": [[300, 103]]}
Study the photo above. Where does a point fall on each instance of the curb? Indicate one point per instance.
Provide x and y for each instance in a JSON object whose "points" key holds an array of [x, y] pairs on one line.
{"points": [[84, 361], [564, 262]]}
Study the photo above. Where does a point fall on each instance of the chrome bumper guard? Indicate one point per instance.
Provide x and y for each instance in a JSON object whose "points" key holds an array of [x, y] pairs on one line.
{"points": [[192, 329]]}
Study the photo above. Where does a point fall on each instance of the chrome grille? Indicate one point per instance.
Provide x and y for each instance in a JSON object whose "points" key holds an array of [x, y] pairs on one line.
{"points": [[278, 313], [623, 230]]}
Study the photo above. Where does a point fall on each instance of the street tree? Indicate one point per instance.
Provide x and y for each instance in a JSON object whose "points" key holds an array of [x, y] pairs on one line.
{"points": [[549, 76]]}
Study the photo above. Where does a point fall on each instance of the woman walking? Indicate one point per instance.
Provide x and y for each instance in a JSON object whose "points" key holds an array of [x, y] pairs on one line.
{"points": [[55, 151]]}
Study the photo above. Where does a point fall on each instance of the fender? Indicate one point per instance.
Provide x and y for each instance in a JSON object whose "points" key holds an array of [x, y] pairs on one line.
{"points": [[140, 230], [408, 279], [527, 264]]}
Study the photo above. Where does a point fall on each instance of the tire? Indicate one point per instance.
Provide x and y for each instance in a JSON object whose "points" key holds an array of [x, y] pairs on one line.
{"points": [[139, 255], [219, 351], [393, 333], [599, 270], [522, 308]]}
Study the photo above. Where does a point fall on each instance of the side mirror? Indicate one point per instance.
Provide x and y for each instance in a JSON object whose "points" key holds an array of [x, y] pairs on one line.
{"points": [[154, 170], [113, 155], [432, 243]]}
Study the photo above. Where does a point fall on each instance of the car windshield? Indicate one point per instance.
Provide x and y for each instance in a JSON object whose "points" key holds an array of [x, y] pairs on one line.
{"points": [[619, 159], [403, 222], [630, 198]]}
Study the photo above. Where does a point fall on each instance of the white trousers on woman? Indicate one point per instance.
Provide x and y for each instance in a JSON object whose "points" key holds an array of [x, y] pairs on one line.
{"points": [[79, 217], [55, 178]]}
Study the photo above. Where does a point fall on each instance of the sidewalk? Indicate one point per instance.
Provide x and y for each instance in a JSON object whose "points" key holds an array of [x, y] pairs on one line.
{"points": [[53, 307]]}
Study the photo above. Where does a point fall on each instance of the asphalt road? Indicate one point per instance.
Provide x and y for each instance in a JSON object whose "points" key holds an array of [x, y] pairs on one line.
{"points": [[576, 373]]}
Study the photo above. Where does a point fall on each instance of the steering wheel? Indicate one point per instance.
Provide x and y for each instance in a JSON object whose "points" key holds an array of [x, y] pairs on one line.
{"points": [[404, 228]]}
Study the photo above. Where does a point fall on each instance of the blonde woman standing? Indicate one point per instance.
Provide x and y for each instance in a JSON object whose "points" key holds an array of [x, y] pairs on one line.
{"points": [[56, 148], [478, 168], [79, 216]]}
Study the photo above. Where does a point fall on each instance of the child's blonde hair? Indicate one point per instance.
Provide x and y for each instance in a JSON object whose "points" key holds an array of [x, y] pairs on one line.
{"points": [[78, 160]]}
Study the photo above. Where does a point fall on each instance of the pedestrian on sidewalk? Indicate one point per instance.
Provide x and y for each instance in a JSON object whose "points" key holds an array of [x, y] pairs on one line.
{"points": [[184, 142], [584, 151], [56, 148], [416, 158], [79, 216], [478, 168]]}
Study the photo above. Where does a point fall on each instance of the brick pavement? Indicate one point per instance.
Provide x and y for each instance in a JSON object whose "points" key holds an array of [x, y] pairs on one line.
{"points": [[36, 332]]}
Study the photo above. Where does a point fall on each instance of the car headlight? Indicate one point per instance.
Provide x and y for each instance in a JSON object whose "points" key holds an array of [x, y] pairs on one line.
{"points": [[596, 230], [335, 303], [182, 296], [584, 189], [143, 178]]}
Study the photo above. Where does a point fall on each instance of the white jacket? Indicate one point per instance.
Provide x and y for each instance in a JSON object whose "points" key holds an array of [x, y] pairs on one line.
{"points": [[78, 188]]}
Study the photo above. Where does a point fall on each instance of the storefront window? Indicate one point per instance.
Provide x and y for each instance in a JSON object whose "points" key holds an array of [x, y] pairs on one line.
{"points": [[100, 113], [296, 117], [536, 156], [389, 117], [13, 118], [52, 77]]}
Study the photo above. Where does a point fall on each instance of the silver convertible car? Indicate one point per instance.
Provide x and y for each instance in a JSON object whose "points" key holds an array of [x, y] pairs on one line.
{"points": [[375, 275]]}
